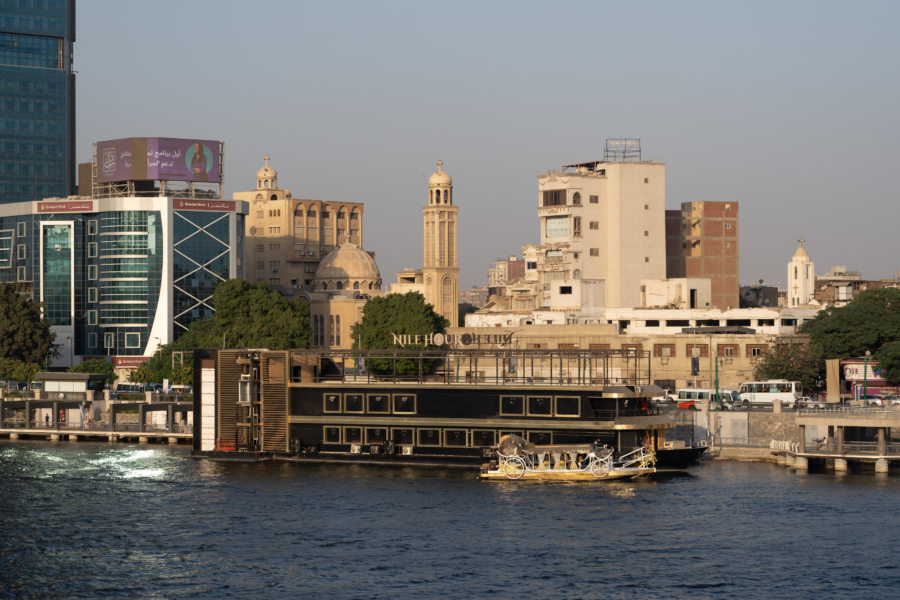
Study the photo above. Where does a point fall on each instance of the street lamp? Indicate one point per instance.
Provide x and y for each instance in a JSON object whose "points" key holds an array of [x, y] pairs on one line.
{"points": [[866, 374]]}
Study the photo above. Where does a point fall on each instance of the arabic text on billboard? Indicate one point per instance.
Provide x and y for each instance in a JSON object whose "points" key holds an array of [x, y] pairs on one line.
{"points": [[170, 159]]}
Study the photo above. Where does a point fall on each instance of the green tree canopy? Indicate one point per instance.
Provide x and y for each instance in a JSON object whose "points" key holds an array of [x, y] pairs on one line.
{"points": [[383, 316], [96, 365], [24, 335], [869, 322], [794, 362]]}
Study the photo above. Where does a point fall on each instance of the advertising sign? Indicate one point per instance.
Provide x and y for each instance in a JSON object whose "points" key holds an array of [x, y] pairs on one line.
{"points": [[66, 206], [192, 204], [169, 159]]}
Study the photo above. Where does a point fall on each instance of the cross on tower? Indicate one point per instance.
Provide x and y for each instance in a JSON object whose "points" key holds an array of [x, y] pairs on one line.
{"points": [[266, 158], [440, 164], [801, 240]]}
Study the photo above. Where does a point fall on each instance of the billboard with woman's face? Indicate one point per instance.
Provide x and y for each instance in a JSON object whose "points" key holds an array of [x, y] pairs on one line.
{"points": [[170, 159]]}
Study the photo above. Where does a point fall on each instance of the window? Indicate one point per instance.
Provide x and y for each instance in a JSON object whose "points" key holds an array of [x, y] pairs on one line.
{"points": [[554, 198], [379, 403], [456, 437], [429, 437], [20, 251], [109, 340], [646, 259], [92, 227], [332, 435], [482, 438], [91, 317], [557, 227], [539, 406], [260, 214], [376, 435], [565, 290], [332, 403], [132, 340], [595, 252], [576, 198], [755, 350], [337, 330], [92, 340], [646, 180], [594, 199], [402, 436], [20, 274], [594, 225], [275, 229], [531, 265], [697, 350], [352, 435], [353, 403], [663, 350], [646, 207], [646, 233], [260, 247], [632, 349], [260, 265], [568, 406], [512, 405], [727, 350], [404, 404], [92, 294], [576, 226], [92, 272], [20, 229], [274, 246], [92, 249]]}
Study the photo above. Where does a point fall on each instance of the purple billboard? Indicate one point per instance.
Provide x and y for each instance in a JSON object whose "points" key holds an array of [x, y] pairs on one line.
{"points": [[170, 159]]}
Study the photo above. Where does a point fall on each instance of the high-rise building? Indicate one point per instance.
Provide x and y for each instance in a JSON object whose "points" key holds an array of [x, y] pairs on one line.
{"points": [[37, 100], [702, 242], [602, 229], [287, 237]]}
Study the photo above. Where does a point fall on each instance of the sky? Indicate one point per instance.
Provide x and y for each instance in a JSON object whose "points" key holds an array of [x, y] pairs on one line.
{"points": [[788, 108]]}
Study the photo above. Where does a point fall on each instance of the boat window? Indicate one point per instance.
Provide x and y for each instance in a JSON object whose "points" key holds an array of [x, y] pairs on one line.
{"points": [[568, 406], [332, 435], [483, 437], [352, 435], [540, 437], [332, 403], [521, 434], [404, 403], [539, 405], [379, 403], [402, 436], [455, 437], [429, 437], [376, 435], [353, 403], [512, 405]]}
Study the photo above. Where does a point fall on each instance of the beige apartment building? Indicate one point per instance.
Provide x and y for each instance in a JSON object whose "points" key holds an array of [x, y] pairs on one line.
{"points": [[702, 242], [602, 230], [287, 237]]}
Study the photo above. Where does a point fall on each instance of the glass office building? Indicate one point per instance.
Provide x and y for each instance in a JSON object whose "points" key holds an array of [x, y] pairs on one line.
{"points": [[37, 100], [120, 276]]}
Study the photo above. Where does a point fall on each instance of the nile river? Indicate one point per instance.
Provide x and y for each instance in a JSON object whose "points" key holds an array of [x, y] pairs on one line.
{"points": [[84, 520]]}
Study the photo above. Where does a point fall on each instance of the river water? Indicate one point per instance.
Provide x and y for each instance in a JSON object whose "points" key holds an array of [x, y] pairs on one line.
{"points": [[84, 520]]}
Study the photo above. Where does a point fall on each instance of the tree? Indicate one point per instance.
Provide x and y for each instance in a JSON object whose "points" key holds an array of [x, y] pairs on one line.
{"points": [[24, 335], [464, 309], [384, 316], [794, 362], [888, 358], [868, 323], [96, 365]]}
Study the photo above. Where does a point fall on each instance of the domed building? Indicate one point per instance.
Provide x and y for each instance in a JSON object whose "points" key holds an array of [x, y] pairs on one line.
{"points": [[348, 267], [801, 278]]}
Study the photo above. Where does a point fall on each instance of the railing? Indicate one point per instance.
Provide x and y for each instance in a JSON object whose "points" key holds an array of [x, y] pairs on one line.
{"points": [[850, 411], [741, 442], [101, 426]]}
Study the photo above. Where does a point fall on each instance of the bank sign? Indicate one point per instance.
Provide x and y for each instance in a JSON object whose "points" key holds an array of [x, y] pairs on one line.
{"points": [[451, 339]]}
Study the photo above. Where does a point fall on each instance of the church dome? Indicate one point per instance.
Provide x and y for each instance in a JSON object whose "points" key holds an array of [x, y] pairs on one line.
{"points": [[440, 177], [348, 267], [266, 177], [801, 253]]}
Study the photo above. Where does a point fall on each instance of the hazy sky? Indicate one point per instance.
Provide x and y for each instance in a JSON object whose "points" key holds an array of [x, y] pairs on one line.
{"points": [[792, 109]]}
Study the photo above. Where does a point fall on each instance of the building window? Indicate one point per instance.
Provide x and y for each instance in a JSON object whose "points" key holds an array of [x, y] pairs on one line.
{"points": [[92, 272], [404, 404], [697, 350], [274, 281], [632, 349], [594, 225], [132, 340], [565, 289], [109, 340], [531, 265], [554, 198], [512, 405], [92, 249], [646, 207], [594, 199], [576, 226], [337, 330], [646, 233], [274, 265], [576, 199], [595, 252], [727, 350], [20, 251], [646, 180], [275, 229], [646, 259], [20, 229], [92, 317], [92, 294], [568, 406], [727, 225], [20, 274], [260, 265], [755, 351], [664, 350], [92, 228], [92, 340], [260, 214]]}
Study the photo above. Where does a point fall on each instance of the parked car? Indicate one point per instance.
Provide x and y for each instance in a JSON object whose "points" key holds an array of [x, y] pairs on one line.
{"points": [[892, 400], [873, 401], [807, 402]]}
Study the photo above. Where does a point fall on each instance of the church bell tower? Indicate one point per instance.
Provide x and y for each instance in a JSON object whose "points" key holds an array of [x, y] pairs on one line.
{"points": [[440, 270]]}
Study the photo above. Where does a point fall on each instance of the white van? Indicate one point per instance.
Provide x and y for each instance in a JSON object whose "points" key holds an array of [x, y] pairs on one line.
{"points": [[692, 397]]}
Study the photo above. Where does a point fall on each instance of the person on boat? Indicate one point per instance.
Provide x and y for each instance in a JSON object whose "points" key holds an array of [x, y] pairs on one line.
{"points": [[596, 450]]}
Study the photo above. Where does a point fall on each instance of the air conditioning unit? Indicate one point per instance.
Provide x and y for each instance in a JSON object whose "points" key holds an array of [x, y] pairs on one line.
{"points": [[375, 449], [355, 449], [406, 450]]}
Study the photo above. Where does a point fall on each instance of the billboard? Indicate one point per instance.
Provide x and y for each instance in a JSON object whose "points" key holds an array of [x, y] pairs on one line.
{"points": [[170, 159]]}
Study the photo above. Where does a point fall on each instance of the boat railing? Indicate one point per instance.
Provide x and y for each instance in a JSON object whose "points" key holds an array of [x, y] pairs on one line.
{"points": [[639, 458]]}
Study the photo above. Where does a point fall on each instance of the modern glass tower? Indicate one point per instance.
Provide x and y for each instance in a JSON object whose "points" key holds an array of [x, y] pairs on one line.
{"points": [[37, 100]]}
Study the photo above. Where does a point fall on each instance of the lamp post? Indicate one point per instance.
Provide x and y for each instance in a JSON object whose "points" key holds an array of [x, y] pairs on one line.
{"points": [[866, 374]]}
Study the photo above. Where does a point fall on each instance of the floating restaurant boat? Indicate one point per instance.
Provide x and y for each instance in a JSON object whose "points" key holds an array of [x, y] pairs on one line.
{"points": [[516, 459], [439, 406]]}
